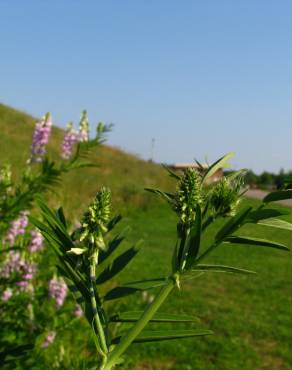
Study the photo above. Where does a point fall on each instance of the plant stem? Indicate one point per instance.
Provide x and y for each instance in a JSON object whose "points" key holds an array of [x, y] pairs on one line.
{"points": [[208, 222], [139, 326], [209, 250], [98, 324]]}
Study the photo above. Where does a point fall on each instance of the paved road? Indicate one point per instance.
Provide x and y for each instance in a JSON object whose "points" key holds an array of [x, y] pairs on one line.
{"points": [[260, 194]]}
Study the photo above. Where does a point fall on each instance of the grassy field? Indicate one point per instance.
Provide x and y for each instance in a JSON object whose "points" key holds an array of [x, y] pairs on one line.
{"points": [[251, 316]]}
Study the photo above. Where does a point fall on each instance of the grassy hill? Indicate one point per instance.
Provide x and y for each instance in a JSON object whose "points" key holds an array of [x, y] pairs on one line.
{"points": [[125, 174]]}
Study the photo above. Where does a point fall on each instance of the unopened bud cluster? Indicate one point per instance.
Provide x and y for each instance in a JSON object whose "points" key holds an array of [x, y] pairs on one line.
{"points": [[188, 196], [224, 199], [96, 218], [84, 127]]}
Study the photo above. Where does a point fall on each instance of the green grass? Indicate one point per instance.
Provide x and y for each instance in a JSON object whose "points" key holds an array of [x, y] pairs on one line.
{"points": [[251, 316]]}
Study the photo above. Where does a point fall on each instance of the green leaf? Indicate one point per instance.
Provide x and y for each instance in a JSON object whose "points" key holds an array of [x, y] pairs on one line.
{"points": [[61, 216], [191, 274], [133, 287], [133, 316], [234, 174], [113, 222], [263, 214], [174, 258], [118, 265], [107, 256], [11, 353], [147, 284], [233, 224], [194, 239], [168, 196], [221, 163], [277, 223], [171, 173], [120, 292], [54, 237], [222, 268], [255, 241], [155, 336], [278, 195], [199, 164]]}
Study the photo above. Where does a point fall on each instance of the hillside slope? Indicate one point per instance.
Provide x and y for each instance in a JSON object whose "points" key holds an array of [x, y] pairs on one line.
{"points": [[124, 173]]}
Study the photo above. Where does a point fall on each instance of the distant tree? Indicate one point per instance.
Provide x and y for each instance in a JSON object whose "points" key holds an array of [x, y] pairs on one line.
{"points": [[251, 178]]}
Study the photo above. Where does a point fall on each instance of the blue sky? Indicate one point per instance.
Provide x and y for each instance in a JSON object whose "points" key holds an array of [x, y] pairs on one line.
{"points": [[201, 77]]}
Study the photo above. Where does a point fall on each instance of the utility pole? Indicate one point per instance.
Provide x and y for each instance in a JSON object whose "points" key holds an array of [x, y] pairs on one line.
{"points": [[152, 149]]}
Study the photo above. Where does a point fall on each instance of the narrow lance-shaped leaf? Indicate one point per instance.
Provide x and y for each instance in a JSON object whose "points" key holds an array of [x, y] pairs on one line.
{"points": [[233, 224], [107, 256], [221, 268], [194, 239], [255, 242], [147, 283], [61, 216], [133, 316], [118, 265], [113, 222], [174, 259], [167, 196], [120, 292], [157, 336], [263, 214], [234, 174], [171, 173], [277, 223], [133, 287], [278, 195], [221, 163], [64, 261]]}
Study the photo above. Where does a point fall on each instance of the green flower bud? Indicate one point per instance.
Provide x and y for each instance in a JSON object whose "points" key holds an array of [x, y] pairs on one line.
{"points": [[96, 218], [225, 198], [188, 195]]}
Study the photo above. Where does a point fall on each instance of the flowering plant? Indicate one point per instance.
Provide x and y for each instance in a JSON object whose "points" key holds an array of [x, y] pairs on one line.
{"points": [[89, 258], [22, 282]]}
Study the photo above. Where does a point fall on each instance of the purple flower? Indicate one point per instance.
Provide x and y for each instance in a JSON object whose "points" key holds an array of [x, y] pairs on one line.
{"points": [[17, 227], [58, 291], [12, 264], [23, 270], [78, 311], [70, 138], [36, 242], [7, 294], [22, 284], [49, 339], [41, 137]]}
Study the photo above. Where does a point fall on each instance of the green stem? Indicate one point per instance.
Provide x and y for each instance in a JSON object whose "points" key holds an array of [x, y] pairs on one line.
{"points": [[139, 326], [96, 317], [209, 250]]}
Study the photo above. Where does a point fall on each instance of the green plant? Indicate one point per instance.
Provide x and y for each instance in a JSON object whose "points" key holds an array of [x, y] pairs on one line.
{"points": [[22, 285], [89, 257]]}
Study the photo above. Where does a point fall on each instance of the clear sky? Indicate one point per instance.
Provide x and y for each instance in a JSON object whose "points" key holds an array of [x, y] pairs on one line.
{"points": [[201, 77]]}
